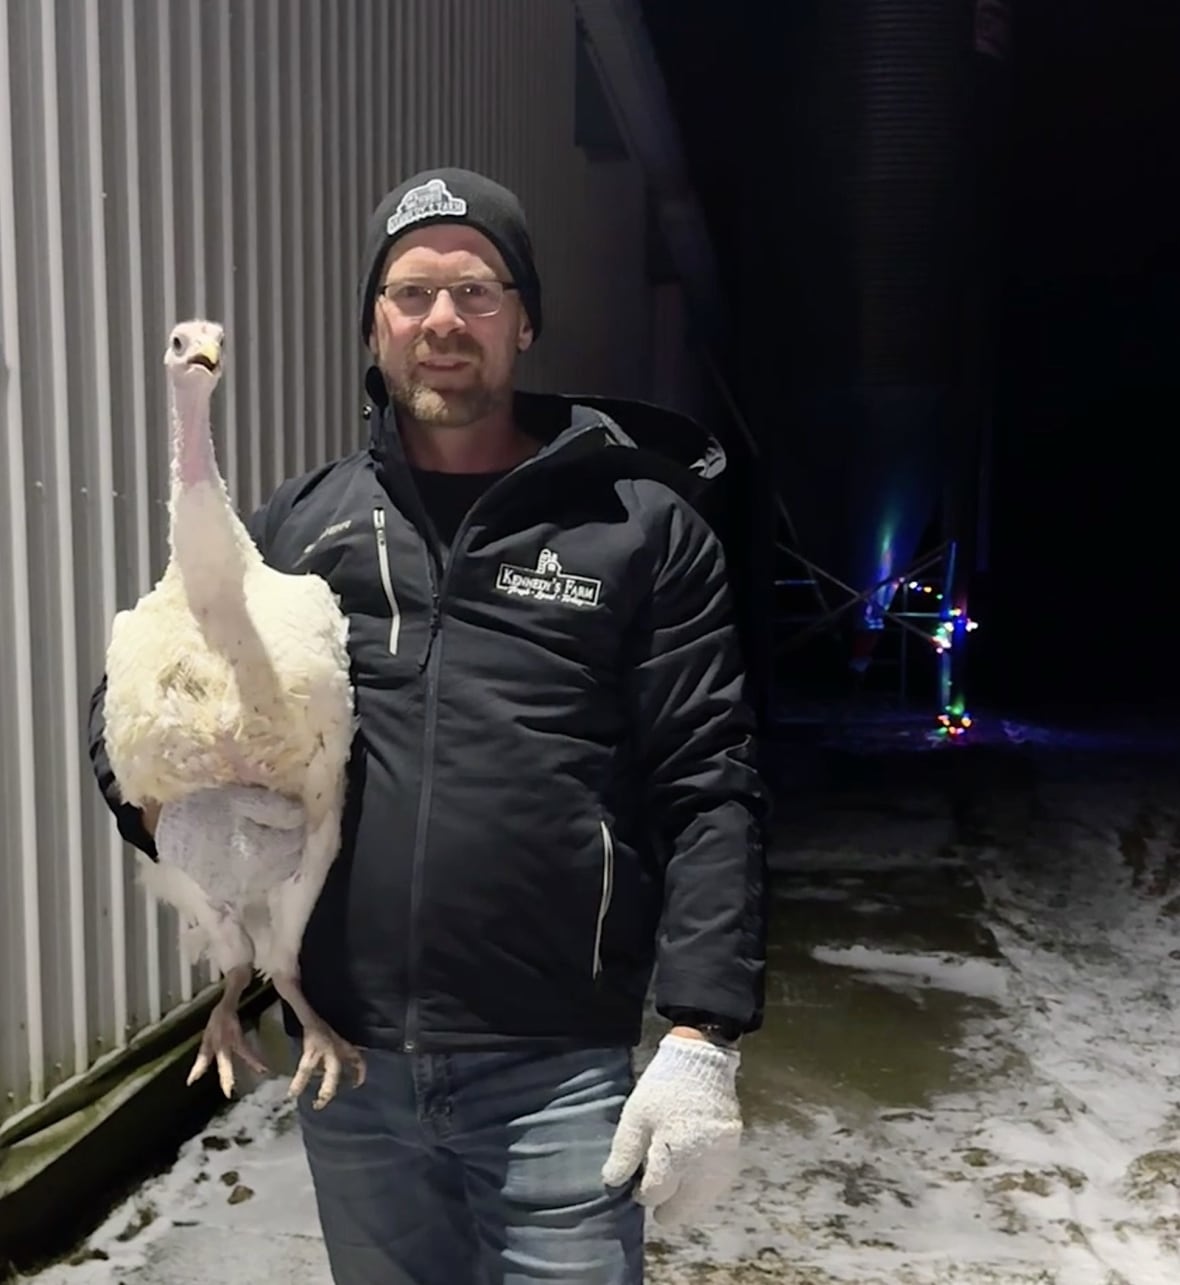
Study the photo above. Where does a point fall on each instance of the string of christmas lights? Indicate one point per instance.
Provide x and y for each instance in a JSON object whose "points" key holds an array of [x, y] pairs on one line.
{"points": [[954, 721], [944, 633]]}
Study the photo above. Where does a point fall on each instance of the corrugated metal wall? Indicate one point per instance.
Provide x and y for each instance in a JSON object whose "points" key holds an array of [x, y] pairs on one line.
{"points": [[158, 160]]}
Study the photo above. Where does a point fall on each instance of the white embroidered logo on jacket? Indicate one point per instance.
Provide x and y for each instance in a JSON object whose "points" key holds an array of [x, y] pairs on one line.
{"points": [[547, 582]]}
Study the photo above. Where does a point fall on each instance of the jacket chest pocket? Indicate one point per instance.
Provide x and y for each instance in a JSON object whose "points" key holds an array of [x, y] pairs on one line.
{"points": [[380, 573], [385, 576]]}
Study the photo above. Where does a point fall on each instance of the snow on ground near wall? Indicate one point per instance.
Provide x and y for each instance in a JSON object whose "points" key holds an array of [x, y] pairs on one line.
{"points": [[1046, 1149]]}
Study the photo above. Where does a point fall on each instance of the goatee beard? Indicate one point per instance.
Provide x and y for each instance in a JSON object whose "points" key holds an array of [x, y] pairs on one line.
{"points": [[455, 408]]}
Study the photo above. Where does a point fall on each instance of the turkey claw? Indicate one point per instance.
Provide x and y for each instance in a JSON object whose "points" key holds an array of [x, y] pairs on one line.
{"points": [[323, 1048], [222, 1038]]}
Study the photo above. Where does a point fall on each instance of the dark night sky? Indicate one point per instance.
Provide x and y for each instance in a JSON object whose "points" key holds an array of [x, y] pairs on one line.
{"points": [[1080, 573]]}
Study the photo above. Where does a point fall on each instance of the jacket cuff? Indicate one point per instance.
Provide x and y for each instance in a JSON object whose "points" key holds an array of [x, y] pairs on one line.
{"points": [[729, 1028], [129, 819]]}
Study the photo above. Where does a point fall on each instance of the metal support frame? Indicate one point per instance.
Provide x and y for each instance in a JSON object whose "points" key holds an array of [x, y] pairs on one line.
{"points": [[942, 627], [942, 563], [831, 615]]}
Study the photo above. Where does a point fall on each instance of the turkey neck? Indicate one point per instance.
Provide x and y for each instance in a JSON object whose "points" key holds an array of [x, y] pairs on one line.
{"points": [[193, 461], [211, 548]]}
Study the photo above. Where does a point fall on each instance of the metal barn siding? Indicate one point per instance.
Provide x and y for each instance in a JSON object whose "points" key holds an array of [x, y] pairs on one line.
{"points": [[161, 160]]}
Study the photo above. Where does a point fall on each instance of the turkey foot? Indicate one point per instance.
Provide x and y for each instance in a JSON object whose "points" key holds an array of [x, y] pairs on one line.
{"points": [[322, 1047], [223, 1035]]}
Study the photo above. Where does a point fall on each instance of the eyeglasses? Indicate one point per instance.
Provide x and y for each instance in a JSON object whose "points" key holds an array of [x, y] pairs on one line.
{"points": [[470, 298]]}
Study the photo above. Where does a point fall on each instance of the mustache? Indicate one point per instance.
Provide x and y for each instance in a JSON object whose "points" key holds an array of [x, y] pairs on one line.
{"points": [[461, 347]]}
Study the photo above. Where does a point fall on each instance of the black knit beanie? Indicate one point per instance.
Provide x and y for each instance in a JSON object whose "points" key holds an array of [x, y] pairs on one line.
{"points": [[459, 196]]}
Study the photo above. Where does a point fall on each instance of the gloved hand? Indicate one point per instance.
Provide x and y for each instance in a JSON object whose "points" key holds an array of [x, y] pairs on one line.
{"points": [[683, 1123]]}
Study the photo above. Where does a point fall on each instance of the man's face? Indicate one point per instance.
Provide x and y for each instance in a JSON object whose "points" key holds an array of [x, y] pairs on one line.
{"points": [[447, 369]]}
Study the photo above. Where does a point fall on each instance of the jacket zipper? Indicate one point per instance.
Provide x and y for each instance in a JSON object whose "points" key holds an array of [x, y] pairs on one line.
{"points": [[431, 664], [395, 625], [608, 887]]}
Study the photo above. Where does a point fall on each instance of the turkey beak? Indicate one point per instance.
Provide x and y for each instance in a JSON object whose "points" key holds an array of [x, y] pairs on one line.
{"points": [[207, 354]]}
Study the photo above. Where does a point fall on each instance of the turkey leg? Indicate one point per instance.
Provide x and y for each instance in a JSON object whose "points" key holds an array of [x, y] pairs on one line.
{"points": [[322, 1047], [223, 1034]]}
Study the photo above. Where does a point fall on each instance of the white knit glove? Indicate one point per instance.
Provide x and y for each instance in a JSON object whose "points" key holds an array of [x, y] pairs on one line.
{"points": [[683, 1124]]}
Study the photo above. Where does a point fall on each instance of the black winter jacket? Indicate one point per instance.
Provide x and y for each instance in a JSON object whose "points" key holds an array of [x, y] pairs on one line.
{"points": [[553, 786]]}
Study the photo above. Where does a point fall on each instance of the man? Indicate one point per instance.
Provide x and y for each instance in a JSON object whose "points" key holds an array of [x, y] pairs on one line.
{"points": [[552, 789]]}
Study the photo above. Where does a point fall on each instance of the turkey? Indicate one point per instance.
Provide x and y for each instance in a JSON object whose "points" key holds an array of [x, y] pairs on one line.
{"points": [[229, 707]]}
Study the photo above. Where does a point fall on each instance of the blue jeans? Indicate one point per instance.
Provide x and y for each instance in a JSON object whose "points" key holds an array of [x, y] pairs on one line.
{"points": [[475, 1169]]}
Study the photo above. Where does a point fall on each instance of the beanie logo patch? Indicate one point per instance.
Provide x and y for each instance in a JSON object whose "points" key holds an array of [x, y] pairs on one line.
{"points": [[429, 201]]}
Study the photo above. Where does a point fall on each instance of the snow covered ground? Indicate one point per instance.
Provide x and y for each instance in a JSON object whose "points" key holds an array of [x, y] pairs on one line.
{"points": [[1051, 1152], [970, 1073]]}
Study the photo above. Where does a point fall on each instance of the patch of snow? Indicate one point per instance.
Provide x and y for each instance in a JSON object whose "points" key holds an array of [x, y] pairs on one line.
{"points": [[980, 978]]}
